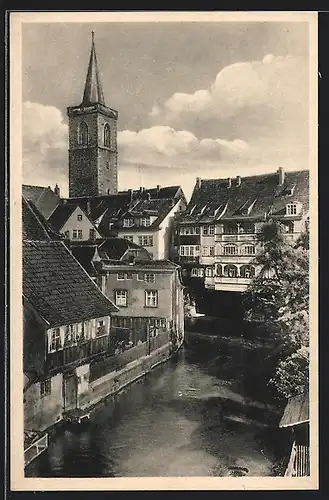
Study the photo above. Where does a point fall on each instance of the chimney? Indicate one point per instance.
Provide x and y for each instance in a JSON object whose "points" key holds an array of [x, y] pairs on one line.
{"points": [[148, 196], [57, 191], [198, 182], [158, 189], [141, 189], [238, 180], [88, 207], [131, 195], [229, 182], [281, 176]]}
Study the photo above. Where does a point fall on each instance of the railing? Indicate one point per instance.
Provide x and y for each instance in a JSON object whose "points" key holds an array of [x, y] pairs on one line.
{"points": [[119, 361], [76, 353], [35, 449], [237, 280]]}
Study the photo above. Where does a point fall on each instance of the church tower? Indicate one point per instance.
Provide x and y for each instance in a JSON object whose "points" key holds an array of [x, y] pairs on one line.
{"points": [[92, 139]]}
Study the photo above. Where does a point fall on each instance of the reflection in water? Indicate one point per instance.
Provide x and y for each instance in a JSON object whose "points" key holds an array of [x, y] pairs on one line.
{"points": [[180, 420]]}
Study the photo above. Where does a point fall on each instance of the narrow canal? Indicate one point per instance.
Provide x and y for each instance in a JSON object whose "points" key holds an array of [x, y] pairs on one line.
{"points": [[180, 420]]}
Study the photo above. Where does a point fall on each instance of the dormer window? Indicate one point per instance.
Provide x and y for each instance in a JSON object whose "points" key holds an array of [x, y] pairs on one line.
{"points": [[128, 222], [291, 209], [107, 136], [83, 134], [145, 221]]}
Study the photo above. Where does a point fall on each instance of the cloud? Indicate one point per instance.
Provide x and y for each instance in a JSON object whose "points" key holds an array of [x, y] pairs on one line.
{"points": [[247, 99], [165, 146], [45, 156]]}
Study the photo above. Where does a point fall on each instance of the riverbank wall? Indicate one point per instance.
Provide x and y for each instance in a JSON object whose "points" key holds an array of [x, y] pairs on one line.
{"points": [[101, 379], [114, 381]]}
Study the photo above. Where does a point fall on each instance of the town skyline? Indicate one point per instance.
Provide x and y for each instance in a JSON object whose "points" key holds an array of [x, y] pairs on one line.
{"points": [[235, 103]]}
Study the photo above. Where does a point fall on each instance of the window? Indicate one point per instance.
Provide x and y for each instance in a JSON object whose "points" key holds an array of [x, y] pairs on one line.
{"points": [[79, 217], [247, 272], [128, 222], [107, 136], [205, 230], [195, 272], [145, 221], [79, 234], [92, 234], [45, 387], [83, 134], [151, 255], [140, 277], [211, 230], [151, 298], [149, 278], [230, 250], [248, 250], [292, 209], [230, 271], [247, 227], [69, 334], [121, 276], [189, 230], [218, 270], [208, 251], [145, 241], [129, 238], [100, 327], [189, 250], [230, 228], [67, 234], [209, 272], [129, 276], [120, 298], [75, 234], [54, 340]]}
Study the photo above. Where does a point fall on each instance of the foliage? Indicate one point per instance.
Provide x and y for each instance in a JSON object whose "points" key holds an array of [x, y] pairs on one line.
{"points": [[292, 374], [279, 297]]}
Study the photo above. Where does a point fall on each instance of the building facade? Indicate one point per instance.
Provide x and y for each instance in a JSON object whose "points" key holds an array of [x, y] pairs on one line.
{"points": [[149, 295], [92, 139], [143, 217], [67, 322], [73, 223], [216, 237]]}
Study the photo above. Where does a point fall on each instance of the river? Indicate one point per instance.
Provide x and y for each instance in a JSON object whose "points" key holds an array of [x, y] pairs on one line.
{"points": [[180, 420]]}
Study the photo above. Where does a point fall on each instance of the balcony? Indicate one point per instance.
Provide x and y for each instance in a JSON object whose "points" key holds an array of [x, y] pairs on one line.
{"points": [[237, 284], [74, 354], [232, 238]]}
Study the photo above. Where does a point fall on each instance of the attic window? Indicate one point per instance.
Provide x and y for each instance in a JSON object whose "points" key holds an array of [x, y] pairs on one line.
{"points": [[128, 222], [291, 209], [290, 191]]}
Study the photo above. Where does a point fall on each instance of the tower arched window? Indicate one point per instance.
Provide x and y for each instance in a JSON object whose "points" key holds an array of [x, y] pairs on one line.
{"points": [[83, 134], [107, 136]]}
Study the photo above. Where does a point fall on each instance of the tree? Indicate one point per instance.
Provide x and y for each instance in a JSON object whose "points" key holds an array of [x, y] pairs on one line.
{"points": [[279, 298]]}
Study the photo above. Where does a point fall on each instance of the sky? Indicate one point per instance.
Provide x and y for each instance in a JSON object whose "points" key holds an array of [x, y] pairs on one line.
{"points": [[195, 99]]}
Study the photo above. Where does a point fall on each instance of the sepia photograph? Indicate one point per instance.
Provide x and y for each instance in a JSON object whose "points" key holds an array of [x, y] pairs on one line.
{"points": [[163, 240]]}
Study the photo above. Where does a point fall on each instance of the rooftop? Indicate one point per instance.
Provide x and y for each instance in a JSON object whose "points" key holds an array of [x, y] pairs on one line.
{"points": [[252, 196], [58, 287], [43, 197], [296, 411], [34, 225]]}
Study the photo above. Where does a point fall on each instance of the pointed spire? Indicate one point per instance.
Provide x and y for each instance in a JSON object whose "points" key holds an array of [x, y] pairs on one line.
{"points": [[93, 92]]}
